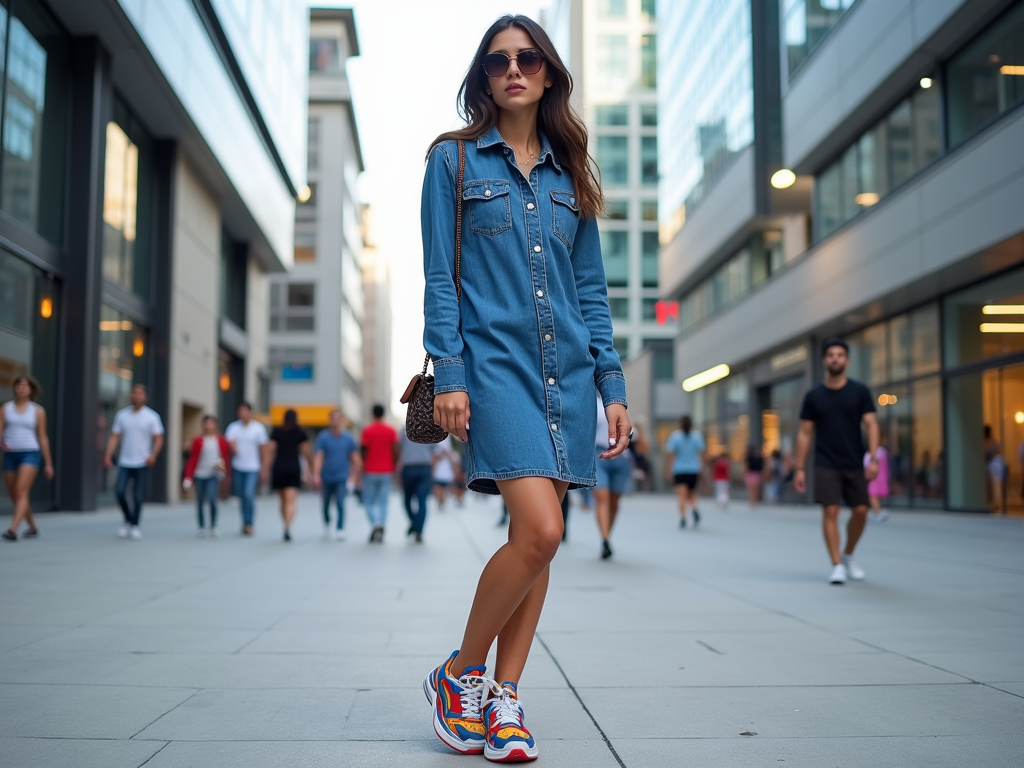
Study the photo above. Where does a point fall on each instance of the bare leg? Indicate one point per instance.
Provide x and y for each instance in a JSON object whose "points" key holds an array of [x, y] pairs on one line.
{"points": [[23, 480], [613, 509], [683, 496], [535, 531], [602, 513], [830, 527], [855, 528], [11, 482], [288, 497]]}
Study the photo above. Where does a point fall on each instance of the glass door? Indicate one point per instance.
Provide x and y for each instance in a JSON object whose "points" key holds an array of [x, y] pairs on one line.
{"points": [[1012, 418]]}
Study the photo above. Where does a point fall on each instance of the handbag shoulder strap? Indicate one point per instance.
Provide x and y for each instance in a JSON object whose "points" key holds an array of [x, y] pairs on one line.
{"points": [[458, 233]]}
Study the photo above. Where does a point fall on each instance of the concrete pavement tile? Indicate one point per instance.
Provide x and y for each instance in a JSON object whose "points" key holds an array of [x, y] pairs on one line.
{"points": [[806, 712], [941, 639], [981, 666], [80, 753], [278, 714], [198, 617], [863, 752], [147, 640], [18, 635], [81, 711], [1016, 688], [326, 642]]}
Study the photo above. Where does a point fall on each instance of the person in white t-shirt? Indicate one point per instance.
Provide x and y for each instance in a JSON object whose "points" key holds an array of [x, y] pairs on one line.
{"points": [[443, 471], [248, 440], [140, 433]]}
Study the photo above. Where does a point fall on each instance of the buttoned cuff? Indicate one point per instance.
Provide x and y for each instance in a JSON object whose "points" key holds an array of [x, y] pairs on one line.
{"points": [[612, 387], [449, 375]]}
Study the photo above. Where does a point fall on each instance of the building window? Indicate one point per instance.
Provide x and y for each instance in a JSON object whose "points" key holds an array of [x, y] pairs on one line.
{"points": [[664, 361], [613, 160], [649, 310], [313, 144], [292, 364], [649, 259], [33, 55], [230, 385], [619, 307], [611, 9], [305, 242], [621, 344], [611, 115], [985, 321], [806, 24], [886, 156], [649, 210], [649, 115], [292, 307], [306, 210], [649, 160], [987, 78], [649, 62], [234, 279], [613, 60], [617, 210], [324, 56], [647, 10], [615, 249]]}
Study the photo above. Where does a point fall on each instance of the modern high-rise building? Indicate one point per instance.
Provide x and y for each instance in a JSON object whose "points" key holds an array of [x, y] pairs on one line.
{"points": [[151, 157], [610, 47], [851, 168], [316, 311]]}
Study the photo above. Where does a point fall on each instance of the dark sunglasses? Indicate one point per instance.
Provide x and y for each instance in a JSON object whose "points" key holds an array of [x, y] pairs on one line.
{"points": [[529, 62]]}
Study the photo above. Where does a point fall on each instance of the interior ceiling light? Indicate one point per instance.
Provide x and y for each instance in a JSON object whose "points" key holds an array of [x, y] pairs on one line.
{"points": [[1003, 309], [866, 198], [704, 378], [1019, 417], [783, 178], [304, 194], [926, 82], [1002, 327], [1011, 69]]}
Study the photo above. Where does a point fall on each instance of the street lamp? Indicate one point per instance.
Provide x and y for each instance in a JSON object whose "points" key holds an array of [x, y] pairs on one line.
{"points": [[783, 178]]}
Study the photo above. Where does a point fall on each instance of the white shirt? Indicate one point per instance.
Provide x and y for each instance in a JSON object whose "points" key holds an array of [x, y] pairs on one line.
{"points": [[137, 430], [21, 430], [209, 457], [444, 471], [246, 440]]}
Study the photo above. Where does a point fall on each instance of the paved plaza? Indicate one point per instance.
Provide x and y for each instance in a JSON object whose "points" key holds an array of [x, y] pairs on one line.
{"points": [[720, 647]]}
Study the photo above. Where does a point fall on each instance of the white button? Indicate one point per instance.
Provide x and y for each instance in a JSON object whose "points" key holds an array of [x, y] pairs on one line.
{"points": [[547, 337], [536, 249], [572, 200], [529, 206], [554, 427], [487, 193], [551, 381], [540, 294]]}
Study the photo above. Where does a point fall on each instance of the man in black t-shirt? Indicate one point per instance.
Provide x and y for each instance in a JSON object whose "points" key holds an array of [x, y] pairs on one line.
{"points": [[835, 411]]}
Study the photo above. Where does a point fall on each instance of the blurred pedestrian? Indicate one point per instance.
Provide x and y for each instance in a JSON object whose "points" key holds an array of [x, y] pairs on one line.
{"points": [[773, 484], [995, 467], [459, 477], [207, 466], [287, 442], [878, 489], [416, 464], [834, 412], [140, 433], [443, 471], [381, 450], [25, 445], [336, 458], [248, 440], [754, 475], [684, 462], [640, 448], [613, 476], [517, 361], [721, 474]]}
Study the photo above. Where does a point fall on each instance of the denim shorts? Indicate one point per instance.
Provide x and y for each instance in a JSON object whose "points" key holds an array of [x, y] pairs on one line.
{"points": [[613, 474], [15, 459]]}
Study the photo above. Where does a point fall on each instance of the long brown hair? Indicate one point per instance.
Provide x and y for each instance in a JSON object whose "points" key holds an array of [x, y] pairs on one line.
{"points": [[556, 119]]}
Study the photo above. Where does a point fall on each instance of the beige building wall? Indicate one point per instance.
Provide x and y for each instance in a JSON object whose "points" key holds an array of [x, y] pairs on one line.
{"points": [[194, 302]]}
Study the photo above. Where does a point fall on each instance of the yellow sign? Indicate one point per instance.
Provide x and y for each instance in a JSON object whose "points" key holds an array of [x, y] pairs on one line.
{"points": [[309, 415]]}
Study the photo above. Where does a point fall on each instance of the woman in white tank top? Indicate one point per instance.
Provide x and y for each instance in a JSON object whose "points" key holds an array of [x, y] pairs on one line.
{"points": [[25, 445]]}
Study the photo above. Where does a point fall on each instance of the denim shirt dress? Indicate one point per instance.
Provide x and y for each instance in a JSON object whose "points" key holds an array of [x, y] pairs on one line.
{"points": [[532, 338]]}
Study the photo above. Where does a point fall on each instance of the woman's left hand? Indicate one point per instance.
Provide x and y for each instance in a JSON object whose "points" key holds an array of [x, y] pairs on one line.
{"points": [[48, 471], [618, 430]]}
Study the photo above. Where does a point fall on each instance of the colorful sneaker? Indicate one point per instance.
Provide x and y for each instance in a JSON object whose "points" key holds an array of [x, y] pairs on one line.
{"points": [[507, 739], [457, 702]]}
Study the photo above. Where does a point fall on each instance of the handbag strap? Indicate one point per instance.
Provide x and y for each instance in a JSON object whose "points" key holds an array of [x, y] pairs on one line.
{"points": [[458, 233]]}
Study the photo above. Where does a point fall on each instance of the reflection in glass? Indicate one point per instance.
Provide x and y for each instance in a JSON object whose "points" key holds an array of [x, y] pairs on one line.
{"points": [[619, 307], [868, 355], [806, 22], [649, 256], [612, 114], [924, 353], [985, 321], [613, 60], [929, 456], [120, 205], [648, 62], [649, 160], [615, 250], [324, 56], [613, 159], [616, 209]]}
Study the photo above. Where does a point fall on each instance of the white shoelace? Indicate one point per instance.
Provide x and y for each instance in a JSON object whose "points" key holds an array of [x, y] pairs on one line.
{"points": [[509, 711], [473, 688]]}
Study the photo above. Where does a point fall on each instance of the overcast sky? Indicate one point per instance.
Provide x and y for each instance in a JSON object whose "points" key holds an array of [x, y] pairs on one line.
{"points": [[414, 55]]}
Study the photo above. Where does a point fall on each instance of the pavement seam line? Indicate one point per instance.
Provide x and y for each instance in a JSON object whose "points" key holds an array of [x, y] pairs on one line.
{"points": [[600, 730], [166, 744], [164, 714]]}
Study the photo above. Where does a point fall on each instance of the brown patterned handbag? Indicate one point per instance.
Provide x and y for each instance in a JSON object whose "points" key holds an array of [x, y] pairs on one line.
{"points": [[419, 395]]}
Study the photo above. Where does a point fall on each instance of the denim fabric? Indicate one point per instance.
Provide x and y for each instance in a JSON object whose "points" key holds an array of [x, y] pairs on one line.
{"points": [[416, 482], [245, 489], [13, 460], [137, 475], [337, 490], [614, 474], [533, 335], [206, 493], [376, 486]]}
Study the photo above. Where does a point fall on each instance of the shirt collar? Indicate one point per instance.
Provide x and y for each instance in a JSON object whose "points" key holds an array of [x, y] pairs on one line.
{"points": [[492, 137]]}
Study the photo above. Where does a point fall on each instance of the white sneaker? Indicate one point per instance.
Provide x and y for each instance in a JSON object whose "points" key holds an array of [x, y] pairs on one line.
{"points": [[134, 533], [838, 575], [122, 532], [883, 515], [853, 570], [201, 533], [339, 535], [214, 533]]}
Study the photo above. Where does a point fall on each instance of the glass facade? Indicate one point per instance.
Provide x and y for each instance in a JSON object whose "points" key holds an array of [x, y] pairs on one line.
{"points": [[649, 62], [890, 152], [805, 24], [706, 53], [615, 250], [613, 159], [33, 57], [613, 61], [230, 385], [987, 78]]}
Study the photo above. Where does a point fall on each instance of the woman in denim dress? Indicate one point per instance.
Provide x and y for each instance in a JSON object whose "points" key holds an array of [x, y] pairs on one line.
{"points": [[518, 360]]}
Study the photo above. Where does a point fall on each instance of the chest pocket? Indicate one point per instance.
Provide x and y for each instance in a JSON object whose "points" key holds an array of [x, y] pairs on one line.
{"points": [[565, 216], [488, 203]]}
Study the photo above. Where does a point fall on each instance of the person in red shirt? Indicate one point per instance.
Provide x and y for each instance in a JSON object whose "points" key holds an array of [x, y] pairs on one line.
{"points": [[720, 473], [207, 467], [380, 450]]}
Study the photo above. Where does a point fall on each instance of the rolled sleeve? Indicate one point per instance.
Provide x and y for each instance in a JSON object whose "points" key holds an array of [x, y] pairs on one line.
{"points": [[612, 388], [449, 375]]}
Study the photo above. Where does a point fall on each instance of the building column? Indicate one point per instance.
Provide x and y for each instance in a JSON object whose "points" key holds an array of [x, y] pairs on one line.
{"points": [[77, 453]]}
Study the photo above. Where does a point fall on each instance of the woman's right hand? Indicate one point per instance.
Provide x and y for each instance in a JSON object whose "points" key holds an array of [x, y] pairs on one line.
{"points": [[451, 413]]}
